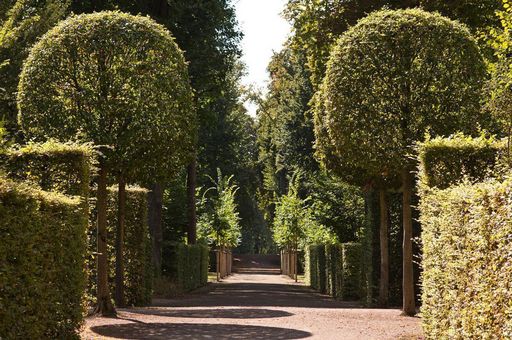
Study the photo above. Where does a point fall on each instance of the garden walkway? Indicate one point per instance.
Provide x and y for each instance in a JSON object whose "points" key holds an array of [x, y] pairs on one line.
{"points": [[255, 303]]}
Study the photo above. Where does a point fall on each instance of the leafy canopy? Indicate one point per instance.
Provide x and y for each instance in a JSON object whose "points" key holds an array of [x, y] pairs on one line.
{"points": [[391, 78], [116, 80]]}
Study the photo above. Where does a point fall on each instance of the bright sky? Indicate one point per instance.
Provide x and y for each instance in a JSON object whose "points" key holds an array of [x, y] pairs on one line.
{"points": [[265, 31]]}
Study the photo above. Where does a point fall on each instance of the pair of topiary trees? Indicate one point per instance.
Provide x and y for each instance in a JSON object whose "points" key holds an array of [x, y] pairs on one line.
{"points": [[393, 78], [120, 82]]}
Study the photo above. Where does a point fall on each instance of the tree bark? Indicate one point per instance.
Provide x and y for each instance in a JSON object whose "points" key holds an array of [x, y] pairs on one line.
{"points": [[409, 307], [155, 203], [104, 304], [121, 215], [384, 248], [191, 206]]}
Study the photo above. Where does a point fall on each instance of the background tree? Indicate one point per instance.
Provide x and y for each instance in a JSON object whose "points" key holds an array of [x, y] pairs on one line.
{"points": [[128, 94], [219, 224], [21, 23], [393, 77]]}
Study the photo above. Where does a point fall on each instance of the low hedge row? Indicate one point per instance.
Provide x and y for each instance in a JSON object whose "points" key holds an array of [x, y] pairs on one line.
{"points": [[187, 265], [336, 270], [467, 261], [42, 254], [138, 275]]}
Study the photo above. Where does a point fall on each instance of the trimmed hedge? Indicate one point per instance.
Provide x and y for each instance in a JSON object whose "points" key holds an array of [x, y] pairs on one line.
{"points": [[138, 273], [336, 270], [42, 254], [351, 271], [467, 261], [53, 166], [187, 265], [447, 161]]}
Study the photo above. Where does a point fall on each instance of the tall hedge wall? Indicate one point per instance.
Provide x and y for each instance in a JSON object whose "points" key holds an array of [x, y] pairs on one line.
{"points": [[187, 265], [336, 270], [53, 166], [138, 273], [42, 254], [467, 261], [447, 161]]}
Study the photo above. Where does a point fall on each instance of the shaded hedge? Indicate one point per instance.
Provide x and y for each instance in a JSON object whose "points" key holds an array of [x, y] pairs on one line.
{"points": [[447, 161], [351, 272], [53, 166], [42, 254], [336, 270], [138, 270], [187, 265], [467, 261]]}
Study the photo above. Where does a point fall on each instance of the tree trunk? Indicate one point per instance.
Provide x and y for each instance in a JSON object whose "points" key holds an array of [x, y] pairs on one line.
{"points": [[121, 214], [409, 307], [191, 198], [155, 201], [104, 305], [296, 259], [384, 248]]}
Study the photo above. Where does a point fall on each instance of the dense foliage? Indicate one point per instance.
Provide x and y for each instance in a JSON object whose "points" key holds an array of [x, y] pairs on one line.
{"points": [[22, 22], [219, 221], [187, 266], [294, 224], [114, 92], [42, 258], [53, 166], [138, 274], [407, 72], [466, 261], [337, 270], [448, 161]]}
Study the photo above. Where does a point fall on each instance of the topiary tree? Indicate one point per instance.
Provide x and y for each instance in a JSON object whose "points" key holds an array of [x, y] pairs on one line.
{"points": [[392, 78], [121, 82]]}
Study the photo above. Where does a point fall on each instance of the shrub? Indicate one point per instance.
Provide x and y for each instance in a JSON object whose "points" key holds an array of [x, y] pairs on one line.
{"points": [[467, 261], [351, 271], [42, 253], [333, 262], [187, 265], [337, 270], [52, 166], [138, 275], [447, 161]]}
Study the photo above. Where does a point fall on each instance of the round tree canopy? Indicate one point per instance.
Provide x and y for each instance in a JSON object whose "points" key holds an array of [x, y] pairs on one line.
{"points": [[392, 78], [116, 80]]}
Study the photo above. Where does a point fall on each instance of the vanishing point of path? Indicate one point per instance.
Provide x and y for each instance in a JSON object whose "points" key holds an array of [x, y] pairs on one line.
{"points": [[255, 303]]}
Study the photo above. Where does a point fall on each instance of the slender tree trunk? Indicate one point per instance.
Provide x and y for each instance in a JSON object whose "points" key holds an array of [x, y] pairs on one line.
{"points": [[155, 201], [409, 307], [104, 305], [121, 214], [191, 198], [296, 257], [384, 248]]}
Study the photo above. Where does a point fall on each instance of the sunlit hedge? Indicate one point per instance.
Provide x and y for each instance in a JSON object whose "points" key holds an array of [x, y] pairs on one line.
{"points": [[187, 265], [42, 254], [447, 161], [467, 261], [53, 166]]}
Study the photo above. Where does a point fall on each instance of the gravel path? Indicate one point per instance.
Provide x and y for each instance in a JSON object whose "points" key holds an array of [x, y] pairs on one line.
{"points": [[255, 303]]}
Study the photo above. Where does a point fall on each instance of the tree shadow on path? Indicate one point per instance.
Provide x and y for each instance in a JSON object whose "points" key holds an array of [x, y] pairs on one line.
{"points": [[141, 330], [221, 313]]}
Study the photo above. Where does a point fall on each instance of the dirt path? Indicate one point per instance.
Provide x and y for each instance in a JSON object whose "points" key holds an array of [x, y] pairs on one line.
{"points": [[255, 303]]}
